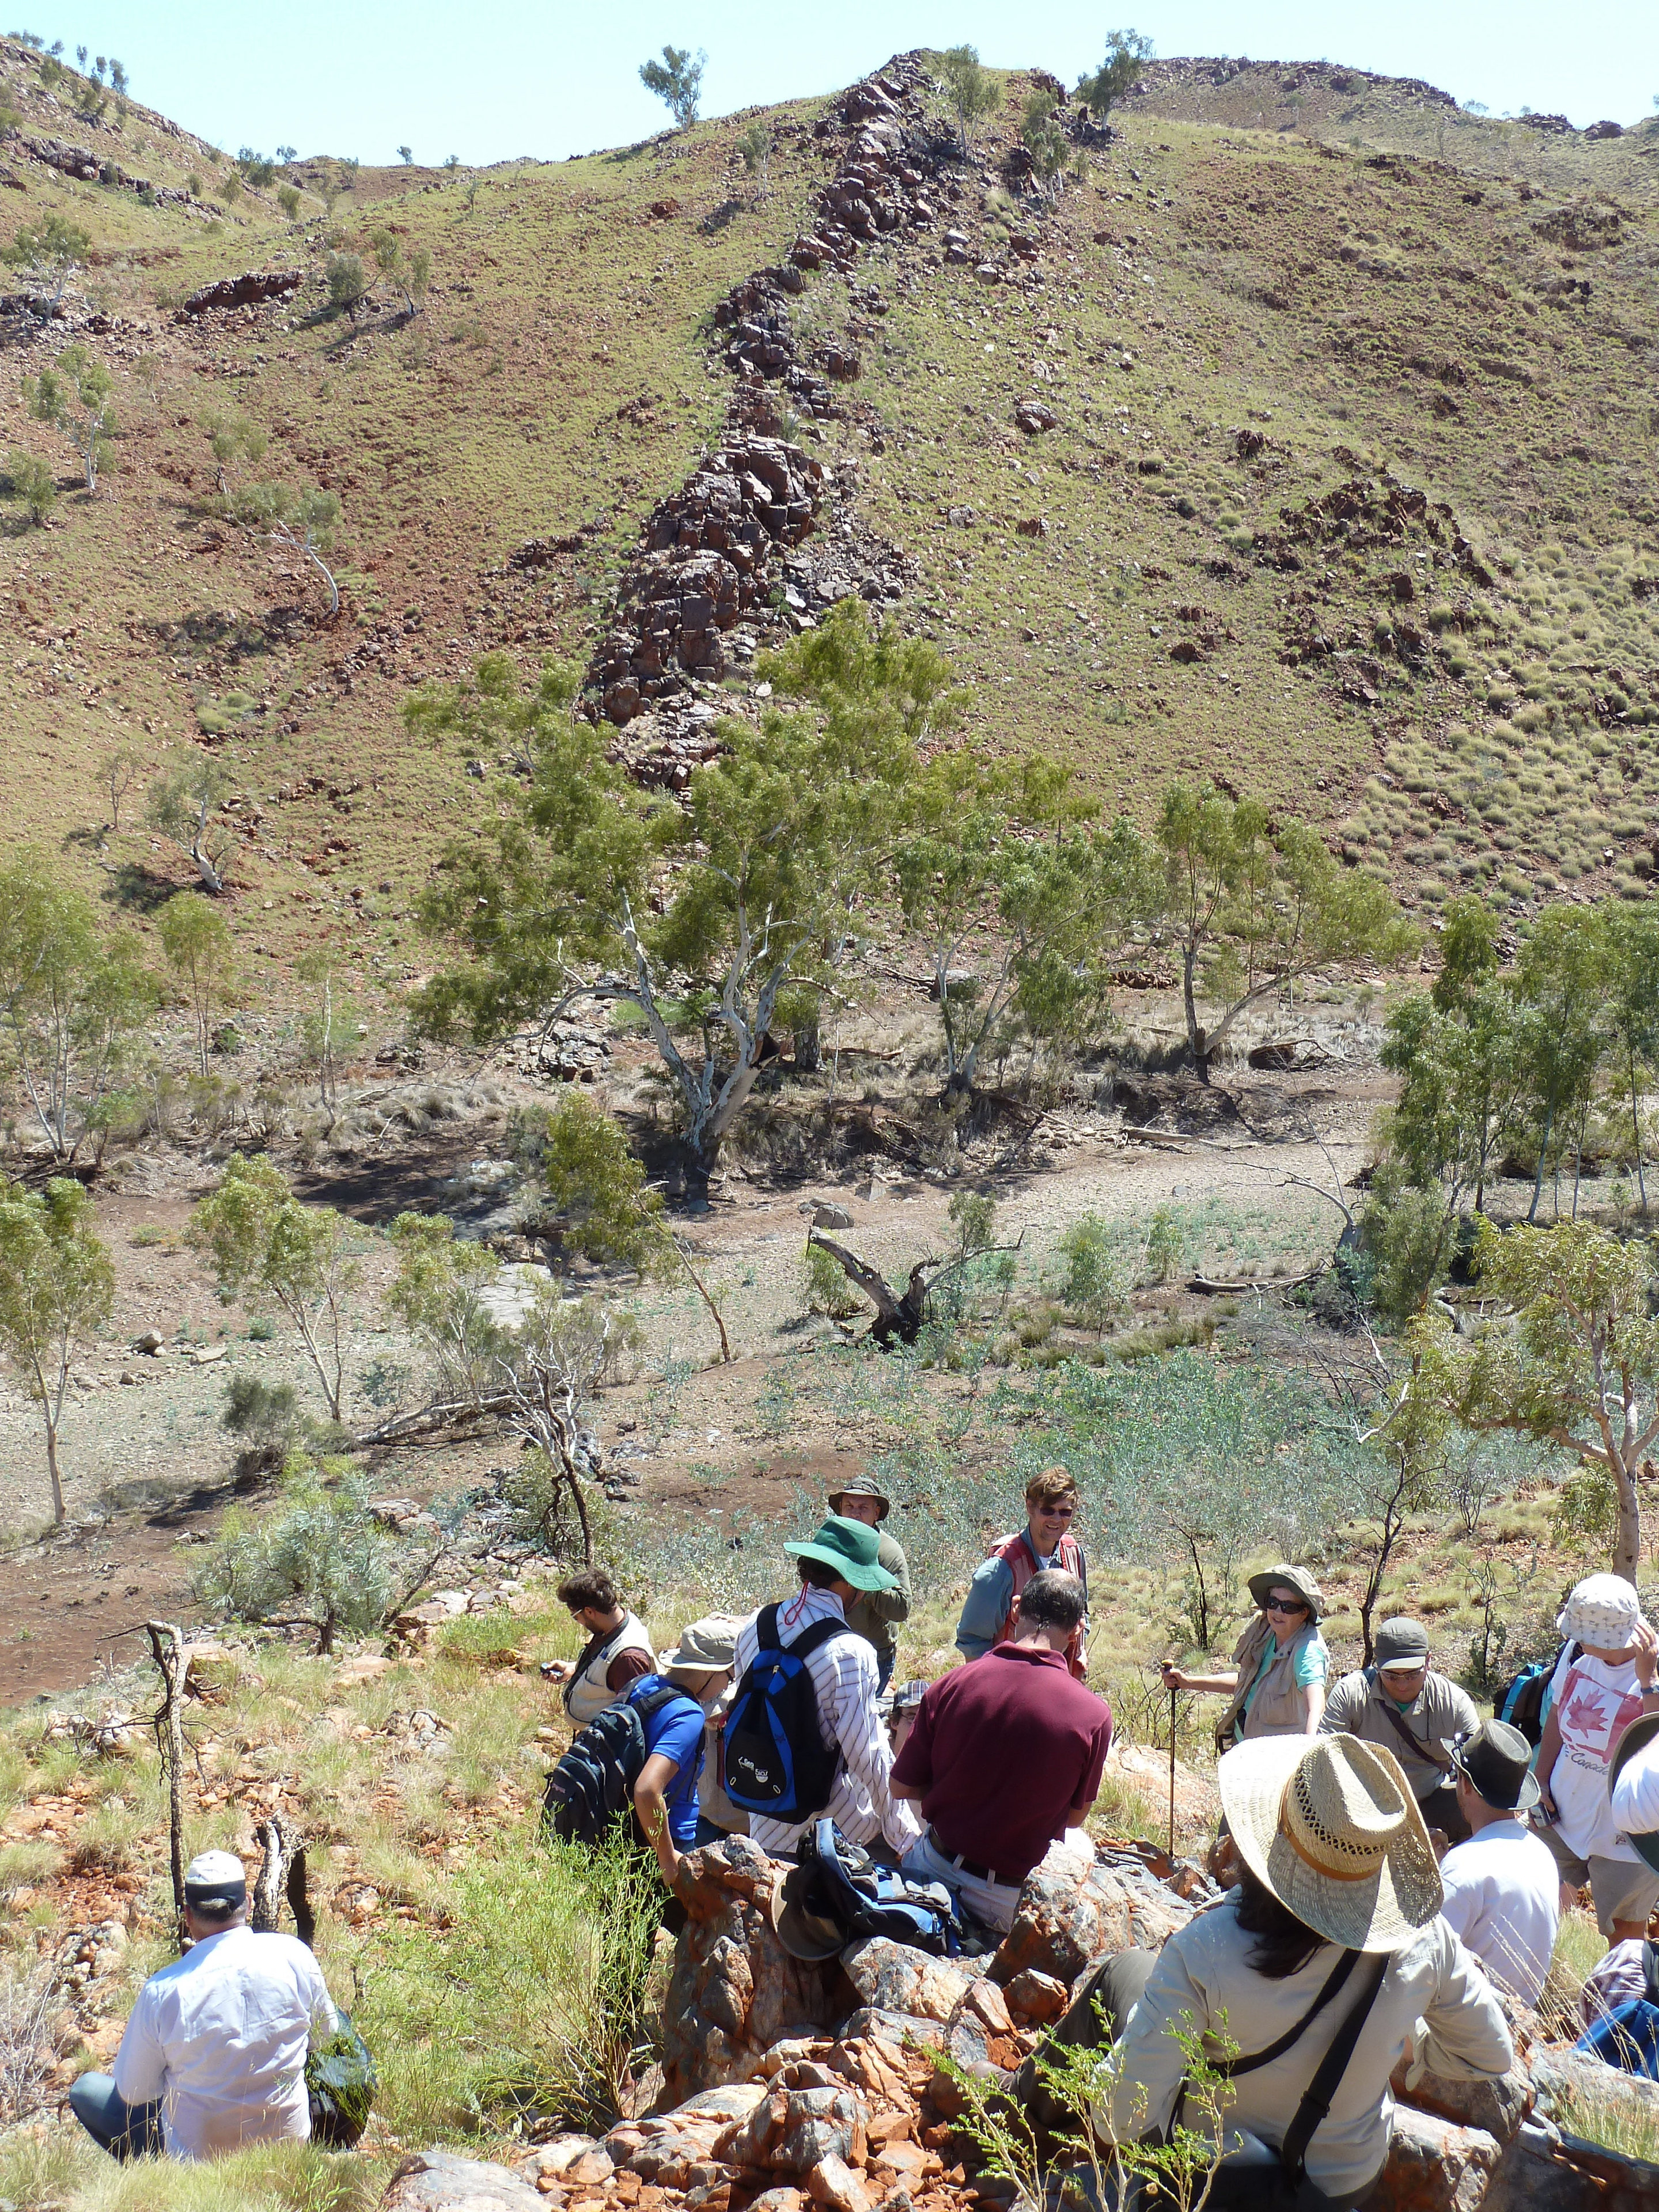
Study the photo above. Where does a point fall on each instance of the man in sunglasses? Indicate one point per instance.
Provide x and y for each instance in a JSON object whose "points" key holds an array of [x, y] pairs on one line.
{"points": [[990, 1615], [1421, 1716], [1276, 1685]]}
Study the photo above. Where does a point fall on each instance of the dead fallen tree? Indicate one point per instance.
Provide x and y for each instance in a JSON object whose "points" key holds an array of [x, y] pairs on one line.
{"points": [[900, 1314]]}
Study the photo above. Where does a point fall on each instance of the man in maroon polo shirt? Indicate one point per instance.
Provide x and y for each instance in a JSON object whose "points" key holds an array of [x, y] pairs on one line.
{"points": [[1006, 1755]]}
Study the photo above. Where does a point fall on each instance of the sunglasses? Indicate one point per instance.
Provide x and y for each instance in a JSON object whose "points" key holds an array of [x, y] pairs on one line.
{"points": [[1284, 1605]]}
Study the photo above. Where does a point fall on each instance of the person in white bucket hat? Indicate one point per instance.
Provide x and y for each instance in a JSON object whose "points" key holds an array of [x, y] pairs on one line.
{"points": [[1329, 1960], [1608, 1677]]}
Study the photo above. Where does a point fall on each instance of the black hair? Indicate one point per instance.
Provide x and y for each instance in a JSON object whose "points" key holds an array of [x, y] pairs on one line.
{"points": [[1053, 1598], [818, 1574], [1284, 1944]]}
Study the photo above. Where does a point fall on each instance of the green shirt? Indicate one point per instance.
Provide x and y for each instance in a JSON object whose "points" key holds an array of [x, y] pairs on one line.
{"points": [[876, 1615]]}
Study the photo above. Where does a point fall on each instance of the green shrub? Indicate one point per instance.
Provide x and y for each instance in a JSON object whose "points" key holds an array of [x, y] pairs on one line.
{"points": [[30, 479], [825, 1287], [1094, 1285], [531, 1999]]}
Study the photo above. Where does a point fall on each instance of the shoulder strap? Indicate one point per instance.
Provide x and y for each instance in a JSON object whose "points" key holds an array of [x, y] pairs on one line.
{"points": [[652, 1704], [1332, 1987], [1293, 2151], [1392, 1714], [812, 1638], [766, 1628]]}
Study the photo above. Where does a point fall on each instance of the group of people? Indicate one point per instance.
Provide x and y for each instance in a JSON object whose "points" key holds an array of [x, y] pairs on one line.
{"points": [[1394, 1867]]}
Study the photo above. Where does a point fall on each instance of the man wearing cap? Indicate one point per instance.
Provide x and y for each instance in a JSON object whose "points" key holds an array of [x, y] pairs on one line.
{"points": [[1503, 1893], [1276, 1685], [877, 1614], [1419, 1714], [1006, 1755], [840, 1564], [700, 1664], [214, 2054]]}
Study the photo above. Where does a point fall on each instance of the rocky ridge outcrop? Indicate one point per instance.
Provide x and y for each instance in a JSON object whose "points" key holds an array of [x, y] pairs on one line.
{"points": [[720, 564]]}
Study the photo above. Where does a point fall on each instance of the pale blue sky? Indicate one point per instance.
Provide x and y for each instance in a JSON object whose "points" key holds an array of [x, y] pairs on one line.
{"points": [[507, 77]]}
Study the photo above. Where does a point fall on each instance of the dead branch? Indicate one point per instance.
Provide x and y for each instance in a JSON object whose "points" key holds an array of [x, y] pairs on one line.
{"points": [[1206, 1288], [899, 1313], [169, 1658], [282, 1873]]}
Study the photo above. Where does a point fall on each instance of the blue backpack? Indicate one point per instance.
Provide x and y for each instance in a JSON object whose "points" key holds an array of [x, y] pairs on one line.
{"points": [[846, 1885], [777, 1763]]}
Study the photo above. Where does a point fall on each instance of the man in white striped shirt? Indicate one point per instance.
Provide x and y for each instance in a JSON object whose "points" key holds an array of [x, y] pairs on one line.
{"points": [[838, 1565]]}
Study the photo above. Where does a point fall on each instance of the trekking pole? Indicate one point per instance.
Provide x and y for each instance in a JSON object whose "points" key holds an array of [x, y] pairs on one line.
{"points": [[1174, 1694]]}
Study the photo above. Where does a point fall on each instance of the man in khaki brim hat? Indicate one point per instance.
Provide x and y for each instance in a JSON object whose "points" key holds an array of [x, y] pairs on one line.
{"points": [[1276, 1684], [877, 1617], [1336, 1860], [701, 1663]]}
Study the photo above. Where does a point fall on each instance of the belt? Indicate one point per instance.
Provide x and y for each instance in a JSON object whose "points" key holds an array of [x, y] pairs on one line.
{"points": [[970, 1867]]}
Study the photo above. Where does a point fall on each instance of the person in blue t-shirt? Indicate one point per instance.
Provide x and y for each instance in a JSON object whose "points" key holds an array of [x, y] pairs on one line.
{"points": [[665, 1795]]}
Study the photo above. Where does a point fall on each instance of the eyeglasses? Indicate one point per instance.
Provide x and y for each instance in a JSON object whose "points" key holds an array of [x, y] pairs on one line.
{"points": [[1284, 1605], [1055, 1513]]}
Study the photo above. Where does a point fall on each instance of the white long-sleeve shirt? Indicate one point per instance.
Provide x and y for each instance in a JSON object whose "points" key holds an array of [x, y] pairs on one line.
{"points": [[843, 1674], [1202, 1972], [1633, 1803], [220, 2036], [1503, 1902]]}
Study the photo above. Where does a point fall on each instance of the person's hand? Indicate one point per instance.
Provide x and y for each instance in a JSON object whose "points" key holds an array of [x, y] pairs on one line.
{"points": [[1175, 1677], [558, 1670], [1547, 1803], [1644, 1653], [1439, 1842]]}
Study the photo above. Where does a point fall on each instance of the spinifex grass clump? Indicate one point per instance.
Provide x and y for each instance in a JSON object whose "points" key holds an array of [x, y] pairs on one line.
{"points": [[532, 1998]]}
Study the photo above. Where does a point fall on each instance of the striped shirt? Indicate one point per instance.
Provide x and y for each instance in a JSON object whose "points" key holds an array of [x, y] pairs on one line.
{"points": [[844, 1673]]}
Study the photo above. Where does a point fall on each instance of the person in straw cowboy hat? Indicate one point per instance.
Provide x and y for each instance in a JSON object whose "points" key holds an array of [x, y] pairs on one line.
{"points": [[1327, 1961]]}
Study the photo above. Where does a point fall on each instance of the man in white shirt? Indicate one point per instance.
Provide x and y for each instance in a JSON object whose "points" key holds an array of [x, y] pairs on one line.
{"points": [[213, 2054], [1503, 1892], [839, 1564]]}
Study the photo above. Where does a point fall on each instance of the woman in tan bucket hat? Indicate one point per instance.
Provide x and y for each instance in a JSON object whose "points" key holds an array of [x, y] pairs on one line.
{"points": [[1333, 1936]]}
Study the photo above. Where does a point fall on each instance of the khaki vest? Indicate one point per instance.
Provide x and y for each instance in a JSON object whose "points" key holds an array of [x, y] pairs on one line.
{"points": [[585, 1694], [1277, 1708]]}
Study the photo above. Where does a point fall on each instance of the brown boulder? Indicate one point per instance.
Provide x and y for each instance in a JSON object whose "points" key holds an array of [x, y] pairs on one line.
{"points": [[735, 1990], [1073, 1912], [1433, 2166]]}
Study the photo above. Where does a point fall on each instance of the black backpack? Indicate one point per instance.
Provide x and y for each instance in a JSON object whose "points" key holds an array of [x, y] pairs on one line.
{"points": [[777, 1763], [592, 1788], [1520, 1701]]}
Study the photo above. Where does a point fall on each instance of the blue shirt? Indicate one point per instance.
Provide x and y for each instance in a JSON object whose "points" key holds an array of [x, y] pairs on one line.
{"points": [[675, 1732]]}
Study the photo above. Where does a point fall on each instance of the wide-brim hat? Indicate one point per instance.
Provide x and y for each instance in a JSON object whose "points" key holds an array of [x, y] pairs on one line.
{"points": [[1299, 1580], [852, 1548], [861, 1485], [1495, 1762], [708, 1646], [1329, 1825], [1602, 1610], [804, 1930], [1637, 1737]]}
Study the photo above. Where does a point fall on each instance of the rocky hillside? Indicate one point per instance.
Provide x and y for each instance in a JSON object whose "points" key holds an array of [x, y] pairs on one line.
{"points": [[1305, 441]]}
